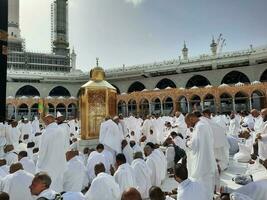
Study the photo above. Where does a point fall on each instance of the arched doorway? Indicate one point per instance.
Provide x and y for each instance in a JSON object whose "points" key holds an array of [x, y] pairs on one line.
{"points": [[136, 86], [122, 108], [226, 102], [23, 111], [59, 91], [209, 103], [234, 77], [28, 91], [118, 90], [197, 80], [51, 109], [156, 106], [132, 107], [241, 102], [263, 77], [34, 111], [144, 107], [72, 110], [164, 83], [182, 104], [61, 108], [167, 106], [195, 103], [258, 100], [10, 111]]}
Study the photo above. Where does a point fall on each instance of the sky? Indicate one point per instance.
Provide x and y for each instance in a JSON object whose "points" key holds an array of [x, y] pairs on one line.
{"points": [[134, 32]]}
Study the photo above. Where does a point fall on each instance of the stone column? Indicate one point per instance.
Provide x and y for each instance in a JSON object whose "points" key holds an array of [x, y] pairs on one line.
{"points": [[161, 107], [250, 103], [233, 102]]}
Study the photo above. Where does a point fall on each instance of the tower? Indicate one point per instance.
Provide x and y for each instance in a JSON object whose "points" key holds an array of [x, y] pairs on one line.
{"points": [[213, 47], [185, 52], [13, 18], [59, 20], [73, 60], [15, 43]]}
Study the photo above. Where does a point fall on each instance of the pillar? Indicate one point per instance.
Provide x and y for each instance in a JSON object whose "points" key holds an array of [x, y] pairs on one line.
{"points": [[161, 107], [233, 103], [250, 103], [150, 107]]}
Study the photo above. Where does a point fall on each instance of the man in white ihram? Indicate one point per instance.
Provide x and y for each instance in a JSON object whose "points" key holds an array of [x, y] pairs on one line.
{"points": [[110, 136], [203, 164], [52, 153]]}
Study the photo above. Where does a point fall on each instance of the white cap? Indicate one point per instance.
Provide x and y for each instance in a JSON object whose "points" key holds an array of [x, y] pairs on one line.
{"points": [[59, 114]]}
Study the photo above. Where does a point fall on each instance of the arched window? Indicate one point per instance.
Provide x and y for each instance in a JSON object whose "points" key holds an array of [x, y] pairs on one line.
{"points": [[122, 108], [72, 110], [23, 111], [234, 77], [197, 80], [118, 90], [209, 102], [136, 86], [10, 111], [59, 91], [144, 107], [156, 106], [27, 90], [182, 104], [263, 77], [167, 106], [61, 108], [51, 109], [34, 110], [226, 103], [241, 102], [162, 84], [132, 107], [258, 100], [195, 103]]}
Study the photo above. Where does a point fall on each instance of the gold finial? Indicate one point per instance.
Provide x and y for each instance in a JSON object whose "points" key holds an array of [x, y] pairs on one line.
{"points": [[97, 73], [97, 61]]}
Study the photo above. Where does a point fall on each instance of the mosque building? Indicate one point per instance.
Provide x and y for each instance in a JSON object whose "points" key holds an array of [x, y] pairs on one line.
{"points": [[50, 82]]}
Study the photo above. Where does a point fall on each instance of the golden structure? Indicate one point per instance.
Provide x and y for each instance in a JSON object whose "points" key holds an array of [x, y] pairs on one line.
{"points": [[97, 100]]}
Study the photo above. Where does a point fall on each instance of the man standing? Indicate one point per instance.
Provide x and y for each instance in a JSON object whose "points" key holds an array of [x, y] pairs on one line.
{"points": [[52, 153], [262, 137], [203, 163], [66, 130]]}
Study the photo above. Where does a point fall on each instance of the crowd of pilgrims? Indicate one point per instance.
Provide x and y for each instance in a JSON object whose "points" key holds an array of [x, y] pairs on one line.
{"points": [[40, 159]]}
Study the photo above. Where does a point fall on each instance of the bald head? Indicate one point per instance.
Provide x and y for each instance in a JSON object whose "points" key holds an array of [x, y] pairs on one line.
{"points": [[131, 194], [99, 167], [15, 167]]}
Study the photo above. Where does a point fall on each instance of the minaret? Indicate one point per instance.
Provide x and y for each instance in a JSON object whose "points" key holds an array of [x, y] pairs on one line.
{"points": [[185, 52], [60, 27], [213, 47], [73, 60], [13, 18]]}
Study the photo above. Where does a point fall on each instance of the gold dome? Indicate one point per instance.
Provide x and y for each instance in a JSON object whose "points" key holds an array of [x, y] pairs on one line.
{"points": [[97, 73]]}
